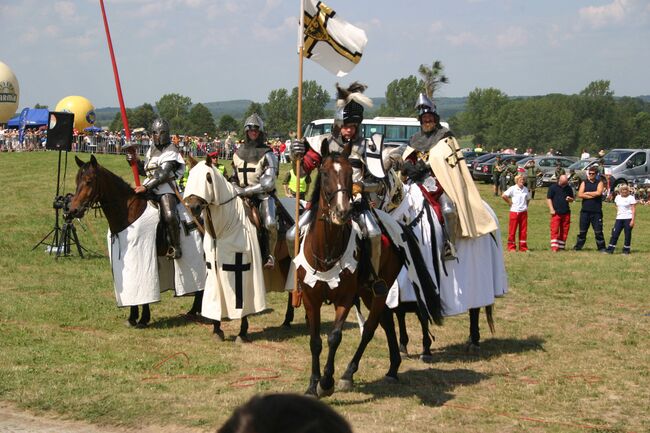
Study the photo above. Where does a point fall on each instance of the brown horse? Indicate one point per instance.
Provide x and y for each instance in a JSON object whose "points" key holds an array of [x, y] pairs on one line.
{"points": [[325, 243], [121, 206]]}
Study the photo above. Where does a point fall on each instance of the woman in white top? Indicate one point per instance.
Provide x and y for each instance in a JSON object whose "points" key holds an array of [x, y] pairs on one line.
{"points": [[517, 196], [625, 212]]}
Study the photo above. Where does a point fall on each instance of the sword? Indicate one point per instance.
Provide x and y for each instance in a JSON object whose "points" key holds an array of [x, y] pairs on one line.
{"points": [[125, 122]]}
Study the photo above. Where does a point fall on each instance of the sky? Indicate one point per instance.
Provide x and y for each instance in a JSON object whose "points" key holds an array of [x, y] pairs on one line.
{"points": [[219, 50]]}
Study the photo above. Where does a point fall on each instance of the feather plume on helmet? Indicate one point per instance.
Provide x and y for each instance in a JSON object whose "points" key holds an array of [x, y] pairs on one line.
{"points": [[350, 103]]}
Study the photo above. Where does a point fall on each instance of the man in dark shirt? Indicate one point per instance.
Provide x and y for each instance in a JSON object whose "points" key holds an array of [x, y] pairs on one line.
{"points": [[558, 198], [591, 193]]}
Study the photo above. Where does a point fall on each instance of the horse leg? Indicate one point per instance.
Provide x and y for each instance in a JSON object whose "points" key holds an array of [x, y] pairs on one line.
{"points": [[145, 317], [473, 345], [315, 343], [426, 355], [133, 316], [377, 312], [288, 315], [243, 337], [197, 304], [387, 323], [403, 334], [326, 383], [217, 331]]}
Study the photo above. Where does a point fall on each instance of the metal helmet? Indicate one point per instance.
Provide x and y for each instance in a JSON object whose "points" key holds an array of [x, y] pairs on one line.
{"points": [[160, 131], [254, 121], [425, 105], [350, 103]]}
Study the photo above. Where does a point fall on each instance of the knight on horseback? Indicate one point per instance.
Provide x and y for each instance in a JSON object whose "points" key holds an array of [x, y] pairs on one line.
{"points": [[416, 169], [255, 171], [347, 130], [163, 165]]}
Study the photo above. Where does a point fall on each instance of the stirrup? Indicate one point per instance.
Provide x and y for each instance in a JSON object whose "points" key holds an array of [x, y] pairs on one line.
{"points": [[449, 251], [173, 253], [270, 263]]}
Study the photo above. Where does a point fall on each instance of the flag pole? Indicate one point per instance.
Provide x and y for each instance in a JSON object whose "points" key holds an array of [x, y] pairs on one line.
{"points": [[296, 296], [125, 121]]}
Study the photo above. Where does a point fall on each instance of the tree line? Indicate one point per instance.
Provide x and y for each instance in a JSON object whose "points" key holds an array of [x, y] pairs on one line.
{"points": [[593, 119]]}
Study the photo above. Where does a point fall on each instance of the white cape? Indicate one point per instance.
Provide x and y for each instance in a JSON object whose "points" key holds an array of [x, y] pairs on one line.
{"points": [[474, 280], [139, 275]]}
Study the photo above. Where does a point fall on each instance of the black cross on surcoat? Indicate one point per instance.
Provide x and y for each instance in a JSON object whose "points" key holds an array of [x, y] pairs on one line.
{"points": [[238, 268]]}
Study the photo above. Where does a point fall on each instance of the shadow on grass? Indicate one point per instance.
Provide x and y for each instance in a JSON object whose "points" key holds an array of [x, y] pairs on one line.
{"points": [[433, 387], [490, 348], [300, 329]]}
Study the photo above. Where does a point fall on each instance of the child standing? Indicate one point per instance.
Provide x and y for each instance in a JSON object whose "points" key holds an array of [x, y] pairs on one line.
{"points": [[517, 197], [625, 212]]}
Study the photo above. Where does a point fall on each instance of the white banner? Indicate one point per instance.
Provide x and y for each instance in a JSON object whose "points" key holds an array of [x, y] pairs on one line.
{"points": [[330, 41]]}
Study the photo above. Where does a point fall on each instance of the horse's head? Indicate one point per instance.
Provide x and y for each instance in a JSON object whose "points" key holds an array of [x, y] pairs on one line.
{"points": [[195, 204], [336, 187], [87, 192]]}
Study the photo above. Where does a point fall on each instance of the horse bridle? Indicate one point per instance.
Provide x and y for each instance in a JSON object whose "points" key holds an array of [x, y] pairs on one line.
{"points": [[327, 212]]}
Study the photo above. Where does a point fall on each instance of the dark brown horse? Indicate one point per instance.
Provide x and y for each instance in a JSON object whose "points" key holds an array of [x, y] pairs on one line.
{"points": [[120, 204], [326, 242]]}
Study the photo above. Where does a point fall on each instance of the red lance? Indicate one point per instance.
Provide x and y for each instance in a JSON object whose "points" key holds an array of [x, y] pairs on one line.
{"points": [[125, 121]]}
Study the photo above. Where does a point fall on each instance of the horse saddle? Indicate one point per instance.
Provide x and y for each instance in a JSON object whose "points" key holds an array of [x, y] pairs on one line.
{"points": [[252, 212]]}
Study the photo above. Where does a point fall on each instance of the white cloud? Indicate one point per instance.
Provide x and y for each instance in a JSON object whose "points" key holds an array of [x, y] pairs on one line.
{"points": [[51, 31], [66, 10], [463, 39], [616, 13], [512, 37], [165, 48], [436, 27]]}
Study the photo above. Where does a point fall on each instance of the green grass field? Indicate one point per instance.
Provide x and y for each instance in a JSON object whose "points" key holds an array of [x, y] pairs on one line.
{"points": [[571, 352]]}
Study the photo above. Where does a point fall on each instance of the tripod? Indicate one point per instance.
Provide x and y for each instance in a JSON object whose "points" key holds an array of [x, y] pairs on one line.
{"points": [[62, 236]]}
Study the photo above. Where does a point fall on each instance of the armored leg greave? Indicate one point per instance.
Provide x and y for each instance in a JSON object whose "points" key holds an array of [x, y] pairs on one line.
{"points": [[168, 204], [267, 209], [290, 236]]}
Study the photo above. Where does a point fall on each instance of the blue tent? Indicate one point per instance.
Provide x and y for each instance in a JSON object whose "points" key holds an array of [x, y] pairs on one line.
{"points": [[35, 117]]}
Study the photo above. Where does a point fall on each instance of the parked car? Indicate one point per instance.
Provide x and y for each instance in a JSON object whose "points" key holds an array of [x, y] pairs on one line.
{"points": [[626, 165], [547, 164], [483, 170], [471, 155], [579, 167], [479, 160]]}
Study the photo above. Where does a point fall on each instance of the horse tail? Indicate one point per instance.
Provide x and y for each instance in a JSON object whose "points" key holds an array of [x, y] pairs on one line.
{"points": [[490, 318]]}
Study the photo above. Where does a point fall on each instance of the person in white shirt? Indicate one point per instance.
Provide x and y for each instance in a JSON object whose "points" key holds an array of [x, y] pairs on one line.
{"points": [[584, 154], [625, 212], [517, 196]]}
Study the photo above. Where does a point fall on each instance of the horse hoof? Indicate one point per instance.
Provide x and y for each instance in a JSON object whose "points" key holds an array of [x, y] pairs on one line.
{"points": [[473, 349], [390, 380], [219, 336], [142, 325], [320, 392], [131, 323], [286, 325], [243, 339], [402, 349], [426, 358], [345, 385]]}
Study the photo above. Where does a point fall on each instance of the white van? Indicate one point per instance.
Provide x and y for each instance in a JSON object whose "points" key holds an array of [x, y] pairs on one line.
{"points": [[627, 165], [394, 129]]}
